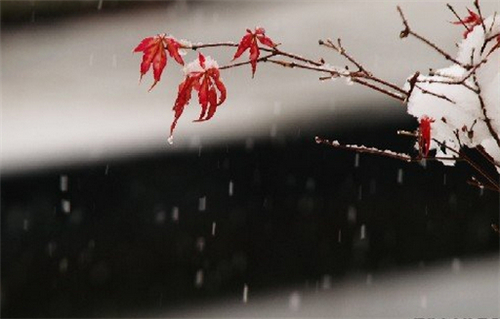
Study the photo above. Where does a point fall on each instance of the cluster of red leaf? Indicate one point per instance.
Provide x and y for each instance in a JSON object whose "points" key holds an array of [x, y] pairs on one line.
{"points": [[424, 137], [154, 52], [200, 76], [471, 21], [249, 41]]}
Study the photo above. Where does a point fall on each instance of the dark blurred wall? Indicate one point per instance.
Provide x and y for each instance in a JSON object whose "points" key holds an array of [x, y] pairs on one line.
{"points": [[136, 234]]}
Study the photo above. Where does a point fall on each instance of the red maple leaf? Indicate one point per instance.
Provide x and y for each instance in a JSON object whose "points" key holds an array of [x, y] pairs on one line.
{"points": [[202, 76], [471, 21], [424, 139], [249, 41], [154, 53]]}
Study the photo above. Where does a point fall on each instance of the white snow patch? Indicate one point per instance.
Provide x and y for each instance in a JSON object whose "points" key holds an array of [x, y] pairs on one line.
{"points": [[462, 121]]}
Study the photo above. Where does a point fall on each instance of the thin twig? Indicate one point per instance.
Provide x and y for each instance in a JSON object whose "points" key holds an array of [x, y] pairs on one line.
{"points": [[293, 56], [368, 75], [480, 185], [412, 82], [478, 7], [458, 17], [388, 84], [486, 119], [408, 31], [234, 65], [406, 133], [292, 65], [493, 185], [355, 76], [448, 83], [364, 149], [487, 156], [478, 168], [492, 36], [495, 47], [475, 166], [332, 73], [493, 21], [441, 96], [473, 69], [343, 52], [488, 39], [195, 47], [456, 82], [381, 90], [385, 153]]}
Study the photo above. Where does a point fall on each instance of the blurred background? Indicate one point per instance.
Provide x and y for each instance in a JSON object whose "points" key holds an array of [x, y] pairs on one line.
{"points": [[244, 215]]}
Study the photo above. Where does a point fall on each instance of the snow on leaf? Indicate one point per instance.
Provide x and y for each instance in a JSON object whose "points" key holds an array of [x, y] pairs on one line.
{"points": [[251, 41], [154, 53], [202, 75]]}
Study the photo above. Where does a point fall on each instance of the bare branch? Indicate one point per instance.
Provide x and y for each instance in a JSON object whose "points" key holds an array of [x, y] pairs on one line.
{"points": [[441, 96], [478, 184], [234, 65], [493, 21], [496, 46], [487, 156], [385, 153], [408, 31], [293, 56], [486, 119], [456, 82], [381, 90], [487, 40], [493, 183], [412, 82], [458, 17], [368, 75], [406, 133], [364, 149], [293, 64], [195, 47], [343, 52], [478, 7]]}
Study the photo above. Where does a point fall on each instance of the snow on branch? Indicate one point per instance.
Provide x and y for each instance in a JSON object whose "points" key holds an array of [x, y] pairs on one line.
{"points": [[365, 149]]}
